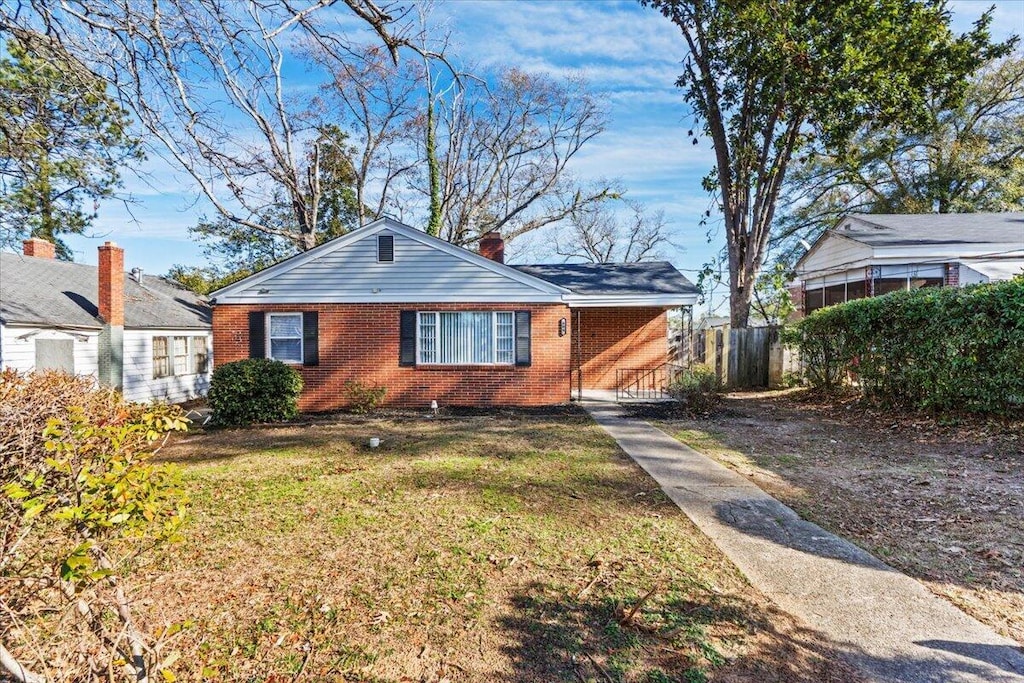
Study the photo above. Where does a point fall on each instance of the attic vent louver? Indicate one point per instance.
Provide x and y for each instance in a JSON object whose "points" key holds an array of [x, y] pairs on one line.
{"points": [[385, 248]]}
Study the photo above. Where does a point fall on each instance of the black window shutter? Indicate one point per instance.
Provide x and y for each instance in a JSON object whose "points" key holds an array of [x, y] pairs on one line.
{"points": [[407, 339], [522, 338], [310, 338], [257, 334]]}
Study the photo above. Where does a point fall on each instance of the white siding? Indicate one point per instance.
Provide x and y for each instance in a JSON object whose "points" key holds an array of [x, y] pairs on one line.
{"points": [[834, 253], [18, 347], [420, 272], [18, 351], [969, 276], [139, 384]]}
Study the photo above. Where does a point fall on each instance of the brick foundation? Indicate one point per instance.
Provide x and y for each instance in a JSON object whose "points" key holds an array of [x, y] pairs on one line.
{"points": [[360, 342], [614, 338]]}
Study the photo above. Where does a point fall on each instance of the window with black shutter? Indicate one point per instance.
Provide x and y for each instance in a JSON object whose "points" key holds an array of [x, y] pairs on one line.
{"points": [[522, 338], [310, 338]]}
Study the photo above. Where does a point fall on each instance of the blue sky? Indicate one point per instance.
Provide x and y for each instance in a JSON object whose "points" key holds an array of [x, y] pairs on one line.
{"points": [[629, 54]]}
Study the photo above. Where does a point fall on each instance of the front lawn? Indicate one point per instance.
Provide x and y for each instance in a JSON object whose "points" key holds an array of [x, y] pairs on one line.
{"points": [[511, 547]]}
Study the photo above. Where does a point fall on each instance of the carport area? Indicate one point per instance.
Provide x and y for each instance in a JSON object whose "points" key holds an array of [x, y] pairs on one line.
{"points": [[620, 323]]}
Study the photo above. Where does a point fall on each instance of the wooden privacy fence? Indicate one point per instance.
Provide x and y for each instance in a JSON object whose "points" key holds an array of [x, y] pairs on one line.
{"points": [[744, 359]]}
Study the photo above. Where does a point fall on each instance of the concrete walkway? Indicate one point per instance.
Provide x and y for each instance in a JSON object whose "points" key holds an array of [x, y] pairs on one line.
{"points": [[885, 623]]}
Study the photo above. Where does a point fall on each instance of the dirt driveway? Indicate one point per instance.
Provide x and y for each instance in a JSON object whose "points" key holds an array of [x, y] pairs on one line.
{"points": [[943, 503]]}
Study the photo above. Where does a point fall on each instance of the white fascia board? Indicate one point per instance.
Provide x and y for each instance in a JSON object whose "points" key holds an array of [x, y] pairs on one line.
{"points": [[634, 301], [224, 294], [208, 329], [383, 298], [49, 326], [950, 252], [859, 264]]}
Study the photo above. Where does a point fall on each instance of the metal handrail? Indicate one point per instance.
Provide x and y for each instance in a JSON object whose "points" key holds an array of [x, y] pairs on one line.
{"points": [[645, 383]]}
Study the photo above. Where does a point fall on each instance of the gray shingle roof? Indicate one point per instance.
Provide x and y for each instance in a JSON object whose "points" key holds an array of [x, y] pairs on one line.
{"points": [[649, 277], [47, 292], [894, 230]]}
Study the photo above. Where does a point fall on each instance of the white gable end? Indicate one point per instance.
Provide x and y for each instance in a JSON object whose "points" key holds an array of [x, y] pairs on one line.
{"points": [[834, 253], [423, 270]]}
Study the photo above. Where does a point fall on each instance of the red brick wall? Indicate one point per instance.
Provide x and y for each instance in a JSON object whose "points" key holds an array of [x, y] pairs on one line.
{"points": [[613, 338], [360, 342], [952, 278]]}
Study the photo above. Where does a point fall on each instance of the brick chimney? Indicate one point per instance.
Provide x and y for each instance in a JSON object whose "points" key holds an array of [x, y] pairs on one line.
{"points": [[111, 291], [111, 310], [39, 248], [492, 246]]}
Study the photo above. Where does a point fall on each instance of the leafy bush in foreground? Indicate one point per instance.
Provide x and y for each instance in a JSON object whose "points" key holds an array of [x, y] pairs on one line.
{"points": [[80, 507], [698, 389], [254, 390], [938, 349]]}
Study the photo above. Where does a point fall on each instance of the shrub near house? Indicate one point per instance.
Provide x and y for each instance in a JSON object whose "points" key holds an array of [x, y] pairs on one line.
{"points": [[254, 390], [937, 349]]}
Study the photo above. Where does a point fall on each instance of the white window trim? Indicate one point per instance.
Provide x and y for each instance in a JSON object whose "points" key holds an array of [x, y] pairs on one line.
{"points": [[190, 346], [494, 340], [189, 369], [302, 334], [169, 355], [379, 235]]}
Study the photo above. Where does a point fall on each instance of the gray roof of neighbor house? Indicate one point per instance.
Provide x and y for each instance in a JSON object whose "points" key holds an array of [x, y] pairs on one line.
{"points": [[895, 230], [649, 277], [43, 291]]}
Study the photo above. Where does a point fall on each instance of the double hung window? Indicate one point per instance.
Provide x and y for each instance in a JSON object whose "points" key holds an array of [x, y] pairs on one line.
{"points": [[285, 335]]}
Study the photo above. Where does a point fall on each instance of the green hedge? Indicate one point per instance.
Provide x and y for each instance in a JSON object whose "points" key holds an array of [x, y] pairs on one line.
{"points": [[939, 349], [254, 390]]}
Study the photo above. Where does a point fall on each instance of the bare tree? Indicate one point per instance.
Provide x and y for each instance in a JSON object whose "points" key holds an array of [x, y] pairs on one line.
{"points": [[374, 97], [598, 233], [504, 151], [205, 80]]}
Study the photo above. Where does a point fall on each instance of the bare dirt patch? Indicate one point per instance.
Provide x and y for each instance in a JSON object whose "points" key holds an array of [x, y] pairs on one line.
{"points": [[507, 547], [941, 502]]}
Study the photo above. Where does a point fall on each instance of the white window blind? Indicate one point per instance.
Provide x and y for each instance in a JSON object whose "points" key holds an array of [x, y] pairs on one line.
{"points": [[285, 332], [466, 337]]}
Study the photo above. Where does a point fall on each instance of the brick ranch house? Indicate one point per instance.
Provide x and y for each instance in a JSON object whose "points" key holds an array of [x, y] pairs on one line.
{"points": [[388, 305]]}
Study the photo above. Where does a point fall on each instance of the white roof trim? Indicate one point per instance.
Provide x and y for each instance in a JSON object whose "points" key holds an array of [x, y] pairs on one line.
{"points": [[542, 286], [629, 300], [996, 269], [384, 298]]}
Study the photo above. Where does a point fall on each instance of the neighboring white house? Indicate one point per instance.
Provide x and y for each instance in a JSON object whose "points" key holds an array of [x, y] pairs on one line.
{"points": [[145, 335], [871, 254]]}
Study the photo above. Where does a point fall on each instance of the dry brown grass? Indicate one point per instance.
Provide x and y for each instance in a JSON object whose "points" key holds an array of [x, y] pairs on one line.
{"points": [[941, 502], [485, 548]]}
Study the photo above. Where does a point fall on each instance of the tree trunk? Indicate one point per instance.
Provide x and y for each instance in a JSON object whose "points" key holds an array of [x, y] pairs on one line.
{"points": [[740, 291], [434, 224]]}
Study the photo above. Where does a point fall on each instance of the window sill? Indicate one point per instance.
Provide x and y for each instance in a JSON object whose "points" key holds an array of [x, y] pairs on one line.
{"points": [[465, 366]]}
